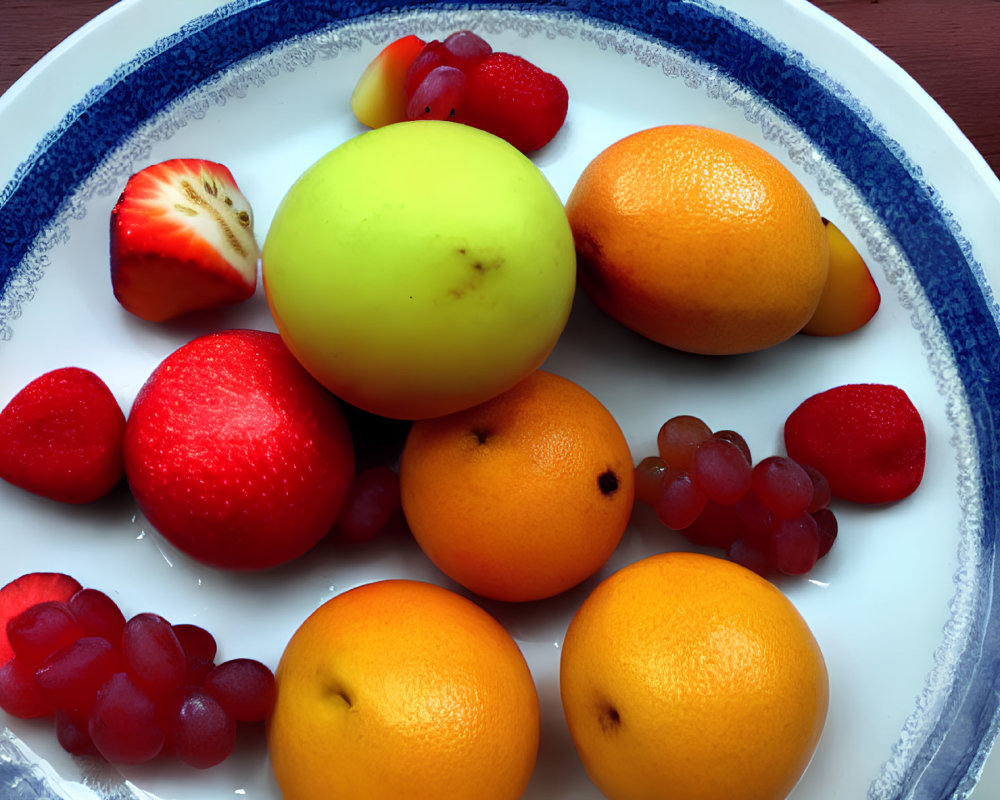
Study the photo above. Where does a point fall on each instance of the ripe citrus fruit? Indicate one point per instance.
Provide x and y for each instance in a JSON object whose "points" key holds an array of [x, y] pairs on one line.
{"points": [[698, 239], [690, 677], [523, 496], [401, 688]]}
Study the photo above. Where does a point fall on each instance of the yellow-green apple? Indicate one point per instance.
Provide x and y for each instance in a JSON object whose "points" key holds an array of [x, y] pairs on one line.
{"points": [[420, 268], [378, 98], [182, 240], [850, 297], [235, 454]]}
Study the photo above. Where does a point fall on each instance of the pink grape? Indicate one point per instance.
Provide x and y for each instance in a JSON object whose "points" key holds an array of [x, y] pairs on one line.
{"points": [[720, 470], [678, 437], [794, 546], [680, 500], [152, 654], [97, 614], [649, 475], [40, 630], [125, 724], [783, 486], [438, 96], [203, 734], [244, 687]]}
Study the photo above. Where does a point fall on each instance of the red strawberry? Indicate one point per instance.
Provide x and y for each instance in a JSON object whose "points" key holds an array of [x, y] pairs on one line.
{"points": [[27, 591], [181, 240], [236, 454], [515, 100], [867, 439], [61, 437]]}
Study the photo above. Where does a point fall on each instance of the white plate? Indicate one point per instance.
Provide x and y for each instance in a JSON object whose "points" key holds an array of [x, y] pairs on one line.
{"points": [[902, 605]]}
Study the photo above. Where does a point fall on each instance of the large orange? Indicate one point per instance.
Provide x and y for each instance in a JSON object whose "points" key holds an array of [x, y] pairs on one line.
{"points": [[403, 689], [698, 239], [523, 496], [690, 677]]}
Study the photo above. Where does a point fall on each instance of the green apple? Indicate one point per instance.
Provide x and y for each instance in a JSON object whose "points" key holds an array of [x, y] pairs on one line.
{"points": [[420, 268]]}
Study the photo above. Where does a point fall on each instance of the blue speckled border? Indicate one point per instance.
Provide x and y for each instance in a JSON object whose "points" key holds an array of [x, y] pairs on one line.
{"points": [[835, 124]]}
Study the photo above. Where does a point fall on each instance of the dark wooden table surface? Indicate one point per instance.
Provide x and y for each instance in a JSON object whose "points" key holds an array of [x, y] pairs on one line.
{"points": [[949, 46]]}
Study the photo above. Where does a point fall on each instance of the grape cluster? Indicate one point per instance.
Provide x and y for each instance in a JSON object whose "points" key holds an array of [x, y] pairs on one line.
{"points": [[770, 516], [129, 689]]}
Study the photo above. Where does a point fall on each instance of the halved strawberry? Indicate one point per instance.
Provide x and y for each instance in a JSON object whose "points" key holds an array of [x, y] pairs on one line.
{"points": [[378, 98], [29, 590], [61, 437], [511, 98], [182, 239]]}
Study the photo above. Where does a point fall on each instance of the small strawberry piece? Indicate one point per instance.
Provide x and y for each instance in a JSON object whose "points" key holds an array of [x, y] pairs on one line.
{"points": [[182, 240], [867, 439], [61, 437], [29, 590], [510, 97], [378, 98]]}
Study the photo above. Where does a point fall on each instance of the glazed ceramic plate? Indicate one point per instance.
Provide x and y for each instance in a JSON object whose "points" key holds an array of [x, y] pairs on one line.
{"points": [[902, 605]]}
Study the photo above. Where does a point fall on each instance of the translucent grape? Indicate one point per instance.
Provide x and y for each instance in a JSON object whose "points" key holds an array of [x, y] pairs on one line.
{"points": [[678, 437], [125, 724], [71, 676], [737, 439], [721, 471], [371, 503], [97, 614], [749, 556], [821, 489], [648, 475], [794, 546], [72, 734], [152, 654], [465, 49], [783, 486], [19, 695], [40, 630], [680, 501], [244, 687], [199, 648], [826, 525], [431, 56], [716, 526], [203, 734], [439, 95]]}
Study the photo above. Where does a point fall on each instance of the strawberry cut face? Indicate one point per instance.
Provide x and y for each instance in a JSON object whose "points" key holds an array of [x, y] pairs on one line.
{"points": [[182, 239]]}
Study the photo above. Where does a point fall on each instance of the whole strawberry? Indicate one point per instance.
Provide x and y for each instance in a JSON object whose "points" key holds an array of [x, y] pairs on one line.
{"points": [[867, 439], [61, 437], [235, 454], [511, 98]]}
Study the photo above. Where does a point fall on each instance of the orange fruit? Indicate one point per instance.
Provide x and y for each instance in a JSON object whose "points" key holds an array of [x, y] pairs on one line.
{"points": [[698, 239], [690, 677], [401, 688], [523, 496]]}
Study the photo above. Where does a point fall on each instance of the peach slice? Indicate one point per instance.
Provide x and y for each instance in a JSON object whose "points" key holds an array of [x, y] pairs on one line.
{"points": [[378, 98], [850, 297]]}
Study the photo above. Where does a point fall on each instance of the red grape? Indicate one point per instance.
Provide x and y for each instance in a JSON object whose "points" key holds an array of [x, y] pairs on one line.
{"points": [[466, 49], [244, 687], [125, 724], [680, 501], [152, 654], [203, 734], [97, 614], [19, 694], [648, 476], [720, 470], [371, 503], [72, 733], [795, 545], [71, 676], [199, 648], [40, 630], [438, 96], [678, 437], [826, 525], [716, 526]]}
